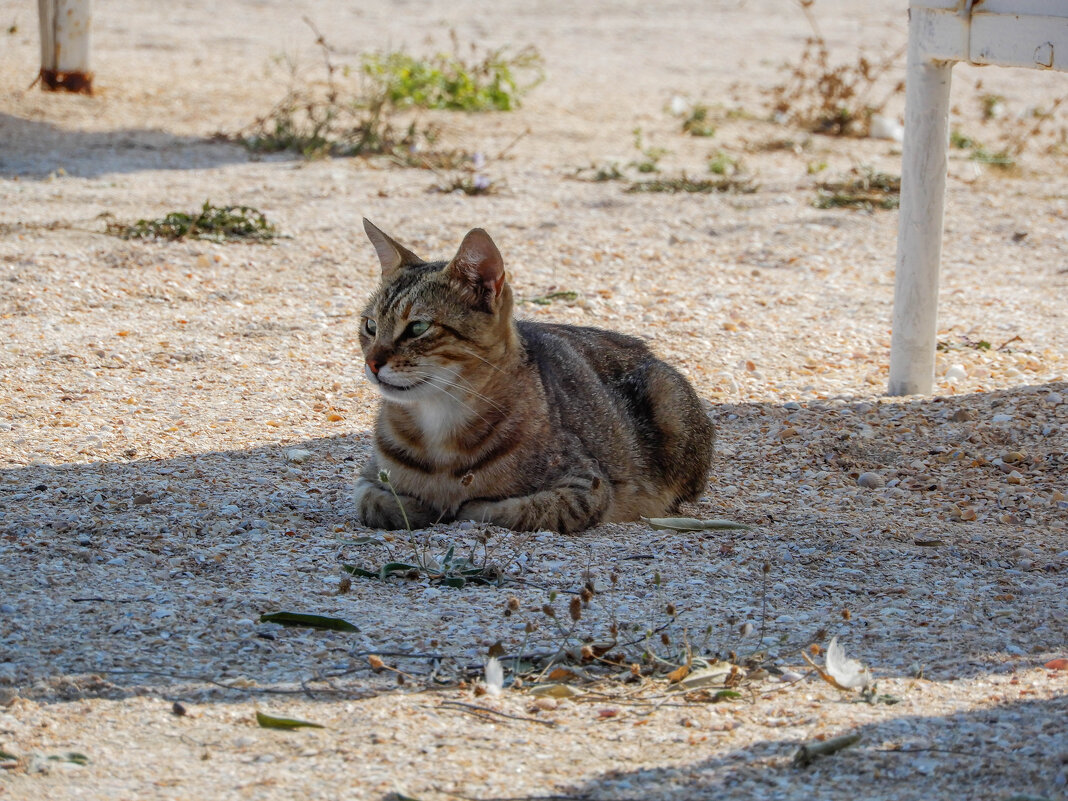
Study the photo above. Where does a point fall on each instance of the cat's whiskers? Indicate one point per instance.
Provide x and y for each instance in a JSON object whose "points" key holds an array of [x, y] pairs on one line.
{"points": [[434, 380], [442, 384], [480, 358]]}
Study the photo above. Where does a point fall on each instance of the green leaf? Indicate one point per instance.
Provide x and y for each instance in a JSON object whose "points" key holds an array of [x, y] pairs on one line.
{"points": [[73, 757], [5, 756], [692, 524], [359, 571], [271, 722], [309, 621], [454, 581], [725, 695], [395, 567]]}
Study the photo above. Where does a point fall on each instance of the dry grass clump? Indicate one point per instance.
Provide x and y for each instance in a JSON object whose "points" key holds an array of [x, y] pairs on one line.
{"points": [[831, 98]]}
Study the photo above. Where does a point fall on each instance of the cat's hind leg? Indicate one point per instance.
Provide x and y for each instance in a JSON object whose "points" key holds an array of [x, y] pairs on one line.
{"points": [[576, 502]]}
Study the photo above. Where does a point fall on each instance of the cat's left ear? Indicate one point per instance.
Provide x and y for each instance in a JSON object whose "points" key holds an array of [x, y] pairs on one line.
{"points": [[480, 266]]}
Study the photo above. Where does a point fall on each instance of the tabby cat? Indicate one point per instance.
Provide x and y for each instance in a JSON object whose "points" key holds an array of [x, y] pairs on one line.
{"points": [[525, 425]]}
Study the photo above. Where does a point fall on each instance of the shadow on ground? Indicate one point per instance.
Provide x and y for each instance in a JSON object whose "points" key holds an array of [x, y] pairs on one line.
{"points": [[897, 757], [31, 149], [960, 553]]}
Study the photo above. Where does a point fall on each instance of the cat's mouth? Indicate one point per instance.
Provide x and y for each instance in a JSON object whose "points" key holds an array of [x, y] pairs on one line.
{"points": [[386, 385]]}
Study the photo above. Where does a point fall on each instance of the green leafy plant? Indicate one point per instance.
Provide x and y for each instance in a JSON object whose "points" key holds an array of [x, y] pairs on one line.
{"points": [[722, 163], [1001, 159], [1011, 136], [449, 569], [214, 223], [566, 295], [960, 140], [470, 182], [992, 106], [493, 81], [863, 188], [698, 122], [367, 110], [650, 156], [729, 183], [979, 152], [599, 173]]}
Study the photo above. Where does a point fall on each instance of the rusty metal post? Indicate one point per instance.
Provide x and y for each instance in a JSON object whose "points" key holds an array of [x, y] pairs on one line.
{"points": [[65, 26]]}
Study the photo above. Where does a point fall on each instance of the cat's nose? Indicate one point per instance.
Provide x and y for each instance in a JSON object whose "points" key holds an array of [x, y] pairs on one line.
{"points": [[373, 365]]}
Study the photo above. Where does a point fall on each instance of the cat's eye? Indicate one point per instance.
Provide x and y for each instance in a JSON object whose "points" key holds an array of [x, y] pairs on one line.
{"points": [[370, 326], [417, 328]]}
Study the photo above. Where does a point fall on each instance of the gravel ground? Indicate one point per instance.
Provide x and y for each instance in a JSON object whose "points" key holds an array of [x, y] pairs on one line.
{"points": [[180, 426]]}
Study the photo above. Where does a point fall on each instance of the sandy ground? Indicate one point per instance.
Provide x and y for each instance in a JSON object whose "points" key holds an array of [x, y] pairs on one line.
{"points": [[152, 395]]}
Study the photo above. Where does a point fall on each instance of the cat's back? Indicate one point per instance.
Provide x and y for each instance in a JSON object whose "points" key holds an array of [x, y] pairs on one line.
{"points": [[557, 346]]}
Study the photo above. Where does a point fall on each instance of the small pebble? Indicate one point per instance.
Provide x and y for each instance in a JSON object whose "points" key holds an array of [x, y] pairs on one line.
{"points": [[117, 561], [955, 374], [8, 609], [1054, 398], [298, 455], [870, 480], [793, 406], [1001, 417]]}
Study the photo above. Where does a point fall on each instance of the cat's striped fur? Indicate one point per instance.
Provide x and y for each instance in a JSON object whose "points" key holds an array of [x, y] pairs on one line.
{"points": [[526, 425]]}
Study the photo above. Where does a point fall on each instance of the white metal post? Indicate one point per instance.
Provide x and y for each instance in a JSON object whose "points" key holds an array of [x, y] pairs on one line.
{"points": [[65, 26], [919, 237]]}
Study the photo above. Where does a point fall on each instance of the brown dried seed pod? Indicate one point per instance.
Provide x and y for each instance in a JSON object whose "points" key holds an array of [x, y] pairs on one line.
{"points": [[548, 610], [575, 608], [665, 638], [376, 663], [513, 604], [671, 609], [586, 595]]}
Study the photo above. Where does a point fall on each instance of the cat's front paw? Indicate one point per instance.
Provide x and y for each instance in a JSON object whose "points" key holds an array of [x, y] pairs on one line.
{"points": [[379, 509], [509, 513]]}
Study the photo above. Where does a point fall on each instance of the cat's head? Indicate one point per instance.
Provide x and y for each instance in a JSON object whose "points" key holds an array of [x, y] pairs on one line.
{"points": [[433, 329]]}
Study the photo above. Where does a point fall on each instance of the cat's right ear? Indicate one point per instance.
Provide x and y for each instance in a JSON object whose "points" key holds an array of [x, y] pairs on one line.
{"points": [[392, 255]]}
